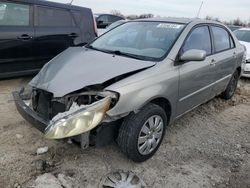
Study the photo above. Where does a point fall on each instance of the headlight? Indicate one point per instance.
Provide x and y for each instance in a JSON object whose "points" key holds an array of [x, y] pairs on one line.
{"points": [[78, 120]]}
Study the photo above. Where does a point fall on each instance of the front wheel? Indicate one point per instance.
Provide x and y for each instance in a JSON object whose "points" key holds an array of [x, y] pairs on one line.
{"points": [[232, 86], [141, 134]]}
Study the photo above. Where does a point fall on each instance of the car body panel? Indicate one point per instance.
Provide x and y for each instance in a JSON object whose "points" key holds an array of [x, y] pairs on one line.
{"points": [[143, 87], [246, 68], [78, 67]]}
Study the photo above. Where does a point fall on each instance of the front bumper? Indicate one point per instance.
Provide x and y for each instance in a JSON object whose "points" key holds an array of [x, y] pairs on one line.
{"points": [[77, 120], [28, 114]]}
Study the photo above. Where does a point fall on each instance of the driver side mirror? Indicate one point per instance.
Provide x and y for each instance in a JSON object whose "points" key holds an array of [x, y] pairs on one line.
{"points": [[193, 55]]}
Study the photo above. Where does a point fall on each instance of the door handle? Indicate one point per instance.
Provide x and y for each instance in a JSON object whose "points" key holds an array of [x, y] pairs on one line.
{"points": [[24, 37], [73, 35], [234, 55], [213, 62]]}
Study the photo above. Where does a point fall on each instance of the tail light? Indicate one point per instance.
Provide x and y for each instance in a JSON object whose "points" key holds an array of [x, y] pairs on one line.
{"points": [[95, 26]]}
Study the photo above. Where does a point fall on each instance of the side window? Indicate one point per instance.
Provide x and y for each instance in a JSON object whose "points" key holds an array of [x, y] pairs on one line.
{"points": [[221, 39], [78, 17], [103, 19], [114, 18], [199, 39], [14, 14], [54, 17]]}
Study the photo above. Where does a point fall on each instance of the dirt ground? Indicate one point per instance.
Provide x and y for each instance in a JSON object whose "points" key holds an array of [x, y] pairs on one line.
{"points": [[208, 147]]}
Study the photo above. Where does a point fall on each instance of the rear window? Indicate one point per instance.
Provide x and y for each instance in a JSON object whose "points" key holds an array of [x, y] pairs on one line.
{"points": [[221, 39], [54, 17], [14, 14]]}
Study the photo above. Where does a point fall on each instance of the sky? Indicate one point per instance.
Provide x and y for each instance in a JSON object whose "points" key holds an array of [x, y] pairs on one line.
{"points": [[225, 10]]}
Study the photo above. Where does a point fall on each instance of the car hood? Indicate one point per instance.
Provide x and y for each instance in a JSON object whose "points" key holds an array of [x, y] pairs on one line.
{"points": [[78, 67], [247, 44]]}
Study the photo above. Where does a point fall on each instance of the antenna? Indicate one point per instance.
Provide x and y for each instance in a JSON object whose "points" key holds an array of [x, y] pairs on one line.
{"points": [[199, 11], [71, 2]]}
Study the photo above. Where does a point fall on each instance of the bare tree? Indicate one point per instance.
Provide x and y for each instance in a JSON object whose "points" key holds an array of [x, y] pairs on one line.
{"points": [[117, 13]]}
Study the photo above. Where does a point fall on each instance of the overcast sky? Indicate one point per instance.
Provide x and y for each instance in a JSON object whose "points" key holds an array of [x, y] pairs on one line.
{"points": [[223, 9]]}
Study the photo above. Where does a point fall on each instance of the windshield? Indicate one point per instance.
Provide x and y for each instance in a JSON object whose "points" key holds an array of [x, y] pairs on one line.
{"points": [[243, 35], [143, 40]]}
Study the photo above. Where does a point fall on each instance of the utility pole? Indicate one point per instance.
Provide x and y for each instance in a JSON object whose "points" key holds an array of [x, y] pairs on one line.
{"points": [[198, 14]]}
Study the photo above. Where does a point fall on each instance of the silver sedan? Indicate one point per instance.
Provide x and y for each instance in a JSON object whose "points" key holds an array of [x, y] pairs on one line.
{"points": [[133, 81]]}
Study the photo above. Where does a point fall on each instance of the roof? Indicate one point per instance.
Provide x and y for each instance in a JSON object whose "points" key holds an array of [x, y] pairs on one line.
{"points": [[180, 20], [49, 3]]}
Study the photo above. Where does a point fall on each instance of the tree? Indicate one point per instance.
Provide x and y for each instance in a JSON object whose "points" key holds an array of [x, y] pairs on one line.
{"points": [[117, 13], [146, 16]]}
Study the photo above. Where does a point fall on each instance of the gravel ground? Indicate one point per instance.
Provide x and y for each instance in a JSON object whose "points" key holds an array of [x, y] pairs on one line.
{"points": [[208, 147]]}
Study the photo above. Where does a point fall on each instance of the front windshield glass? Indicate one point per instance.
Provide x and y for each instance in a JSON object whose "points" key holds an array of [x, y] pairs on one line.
{"points": [[243, 35], [143, 40]]}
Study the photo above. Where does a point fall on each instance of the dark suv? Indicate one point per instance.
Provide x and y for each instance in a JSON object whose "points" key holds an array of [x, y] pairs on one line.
{"points": [[32, 32]]}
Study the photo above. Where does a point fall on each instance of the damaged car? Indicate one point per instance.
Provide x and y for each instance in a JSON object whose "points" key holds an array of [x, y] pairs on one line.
{"points": [[131, 82]]}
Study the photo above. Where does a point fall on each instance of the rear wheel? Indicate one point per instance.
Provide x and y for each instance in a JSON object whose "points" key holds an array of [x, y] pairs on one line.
{"points": [[141, 134], [232, 86]]}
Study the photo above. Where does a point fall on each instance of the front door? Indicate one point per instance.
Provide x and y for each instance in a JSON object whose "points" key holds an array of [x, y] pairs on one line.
{"points": [[196, 77], [16, 38]]}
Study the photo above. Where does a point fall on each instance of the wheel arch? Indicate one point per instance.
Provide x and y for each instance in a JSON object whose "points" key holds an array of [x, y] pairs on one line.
{"points": [[239, 70], [163, 103]]}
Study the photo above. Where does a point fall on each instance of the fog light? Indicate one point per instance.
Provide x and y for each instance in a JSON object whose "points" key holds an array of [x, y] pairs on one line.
{"points": [[79, 121]]}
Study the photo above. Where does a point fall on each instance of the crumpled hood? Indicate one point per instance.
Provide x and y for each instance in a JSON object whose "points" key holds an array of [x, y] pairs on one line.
{"points": [[247, 44], [78, 67]]}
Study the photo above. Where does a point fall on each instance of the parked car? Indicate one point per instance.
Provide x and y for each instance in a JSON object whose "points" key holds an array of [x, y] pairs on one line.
{"points": [[104, 20], [243, 36], [32, 32], [234, 27], [133, 81], [112, 26]]}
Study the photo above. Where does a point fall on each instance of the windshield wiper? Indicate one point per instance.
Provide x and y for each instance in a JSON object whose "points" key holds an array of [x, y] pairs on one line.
{"points": [[118, 52], [99, 49]]}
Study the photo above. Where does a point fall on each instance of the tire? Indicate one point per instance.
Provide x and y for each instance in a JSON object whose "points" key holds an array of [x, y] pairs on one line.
{"points": [[134, 128], [231, 88]]}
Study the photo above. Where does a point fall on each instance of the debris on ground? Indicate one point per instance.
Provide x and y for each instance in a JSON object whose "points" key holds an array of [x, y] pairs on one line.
{"points": [[207, 147], [19, 136], [122, 179], [49, 180], [42, 150]]}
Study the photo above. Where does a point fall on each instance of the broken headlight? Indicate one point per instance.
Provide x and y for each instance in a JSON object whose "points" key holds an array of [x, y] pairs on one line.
{"points": [[81, 117]]}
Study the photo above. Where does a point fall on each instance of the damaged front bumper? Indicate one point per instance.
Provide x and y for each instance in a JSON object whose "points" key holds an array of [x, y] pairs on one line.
{"points": [[76, 121], [28, 114]]}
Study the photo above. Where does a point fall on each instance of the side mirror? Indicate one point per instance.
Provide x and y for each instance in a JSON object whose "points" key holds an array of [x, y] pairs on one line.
{"points": [[193, 55]]}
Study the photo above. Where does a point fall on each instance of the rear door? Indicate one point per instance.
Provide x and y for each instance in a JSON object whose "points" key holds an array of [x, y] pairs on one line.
{"points": [[55, 31], [196, 77], [224, 58], [16, 38]]}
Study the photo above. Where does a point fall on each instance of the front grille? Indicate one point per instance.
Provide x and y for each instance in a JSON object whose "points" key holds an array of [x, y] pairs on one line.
{"points": [[42, 103]]}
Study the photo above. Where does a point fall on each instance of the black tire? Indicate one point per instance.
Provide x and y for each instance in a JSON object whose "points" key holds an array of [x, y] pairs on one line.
{"points": [[232, 86], [131, 129]]}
